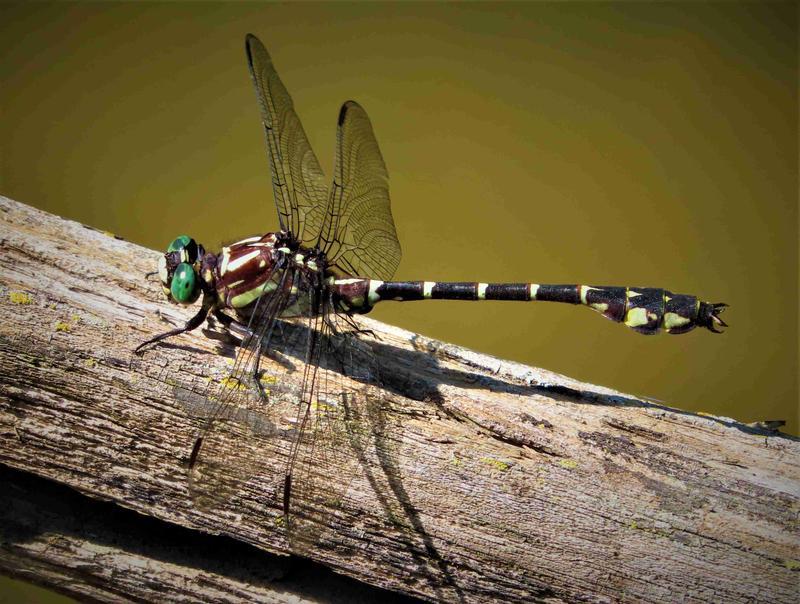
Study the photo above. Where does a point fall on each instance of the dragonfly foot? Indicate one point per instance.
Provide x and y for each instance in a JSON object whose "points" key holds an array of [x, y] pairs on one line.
{"points": [[263, 394]]}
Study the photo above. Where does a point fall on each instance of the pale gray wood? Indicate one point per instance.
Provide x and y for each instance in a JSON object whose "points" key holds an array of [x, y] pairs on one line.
{"points": [[478, 479]]}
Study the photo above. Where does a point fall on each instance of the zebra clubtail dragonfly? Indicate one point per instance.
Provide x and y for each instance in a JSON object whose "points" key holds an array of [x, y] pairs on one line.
{"points": [[294, 293]]}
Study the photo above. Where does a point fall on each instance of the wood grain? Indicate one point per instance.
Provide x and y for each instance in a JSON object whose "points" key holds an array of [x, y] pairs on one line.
{"points": [[475, 479]]}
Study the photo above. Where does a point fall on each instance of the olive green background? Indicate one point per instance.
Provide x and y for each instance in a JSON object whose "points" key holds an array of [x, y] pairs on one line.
{"points": [[627, 144]]}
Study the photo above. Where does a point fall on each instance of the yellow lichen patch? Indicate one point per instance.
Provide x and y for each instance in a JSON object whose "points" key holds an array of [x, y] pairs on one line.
{"points": [[792, 564], [20, 298], [569, 464], [319, 406], [496, 463], [268, 379], [75, 318], [62, 326], [233, 383], [90, 363]]}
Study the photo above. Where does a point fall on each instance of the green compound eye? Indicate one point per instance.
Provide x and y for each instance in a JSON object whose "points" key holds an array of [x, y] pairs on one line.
{"points": [[179, 243], [184, 284], [187, 248]]}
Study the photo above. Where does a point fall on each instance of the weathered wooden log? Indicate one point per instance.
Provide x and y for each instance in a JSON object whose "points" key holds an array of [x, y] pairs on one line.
{"points": [[97, 551], [474, 479]]}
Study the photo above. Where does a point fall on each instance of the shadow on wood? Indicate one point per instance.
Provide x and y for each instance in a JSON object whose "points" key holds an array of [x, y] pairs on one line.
{"points": [[96, 550]]}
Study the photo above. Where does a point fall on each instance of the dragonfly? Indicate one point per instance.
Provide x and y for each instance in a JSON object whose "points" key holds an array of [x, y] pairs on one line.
{"points": [[295, 293]]}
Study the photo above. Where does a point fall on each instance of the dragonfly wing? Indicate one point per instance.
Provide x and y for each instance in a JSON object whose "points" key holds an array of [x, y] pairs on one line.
{"points": [[339, 386], [298, 183], [241, 434], [240, 429], [359, 233], [317, 374]]}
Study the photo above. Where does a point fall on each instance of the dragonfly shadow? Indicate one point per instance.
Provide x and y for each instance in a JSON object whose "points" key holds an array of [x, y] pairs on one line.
{"points": [[385, 481], [419, 373]]}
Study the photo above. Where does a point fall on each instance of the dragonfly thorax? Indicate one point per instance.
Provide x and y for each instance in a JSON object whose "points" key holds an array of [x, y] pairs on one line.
{"points": [[243, 271]]}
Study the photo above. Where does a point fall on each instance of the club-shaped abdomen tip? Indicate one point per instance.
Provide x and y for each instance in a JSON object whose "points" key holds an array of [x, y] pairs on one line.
{"points": [[708, 316]]}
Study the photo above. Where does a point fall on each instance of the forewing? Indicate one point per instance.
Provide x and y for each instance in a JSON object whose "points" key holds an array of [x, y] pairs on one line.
{"points": [[298, 183], [359, 235]]}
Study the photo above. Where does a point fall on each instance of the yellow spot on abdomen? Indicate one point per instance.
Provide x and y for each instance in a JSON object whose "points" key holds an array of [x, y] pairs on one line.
{"points": [[672, 320], [372, 295], [585, 289], [636, 317]]}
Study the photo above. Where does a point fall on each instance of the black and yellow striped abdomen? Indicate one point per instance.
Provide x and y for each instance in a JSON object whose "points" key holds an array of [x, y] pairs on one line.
{"points": [[644, 309]]}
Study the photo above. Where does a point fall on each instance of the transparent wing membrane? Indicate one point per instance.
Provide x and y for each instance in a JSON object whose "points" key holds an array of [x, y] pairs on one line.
{"points": [[340, 378], [353, 223], [359, 235], [298, 183], [300, 442]]}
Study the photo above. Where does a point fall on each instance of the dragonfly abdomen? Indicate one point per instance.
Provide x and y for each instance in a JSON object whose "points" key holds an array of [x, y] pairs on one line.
{"points": [[644, 309]]}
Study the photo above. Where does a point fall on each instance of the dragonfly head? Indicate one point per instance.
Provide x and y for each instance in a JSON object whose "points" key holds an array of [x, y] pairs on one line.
{"points": [[178, 270]]}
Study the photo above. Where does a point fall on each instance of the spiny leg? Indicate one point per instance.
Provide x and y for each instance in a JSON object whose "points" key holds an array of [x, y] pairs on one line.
{"points": [[262, 336], [190, 325], [340, 339], [243, 332]]}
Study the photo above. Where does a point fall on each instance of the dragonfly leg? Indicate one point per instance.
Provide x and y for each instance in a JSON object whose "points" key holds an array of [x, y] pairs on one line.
{"points": [[222, 317], [243, 332], [255, 376], [191, 324], [356, 328]]}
